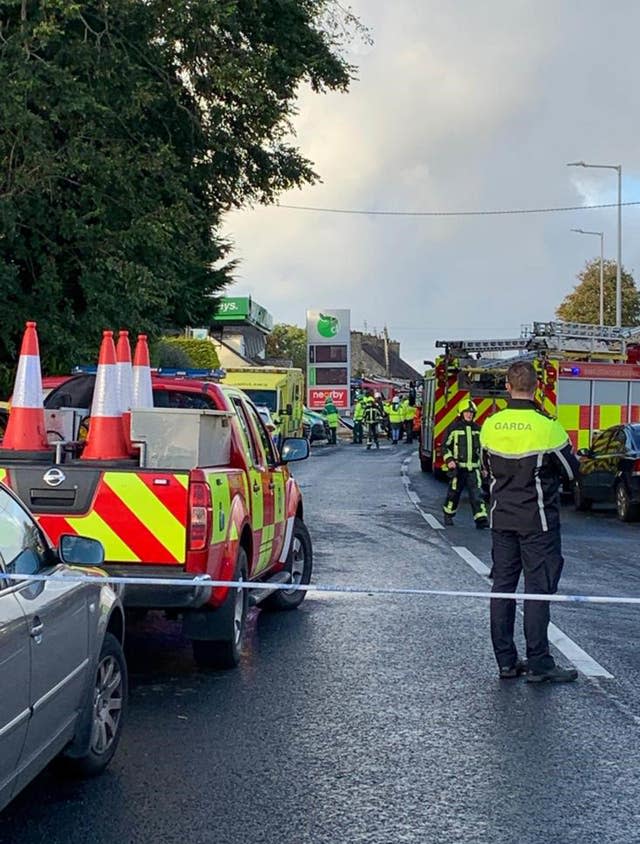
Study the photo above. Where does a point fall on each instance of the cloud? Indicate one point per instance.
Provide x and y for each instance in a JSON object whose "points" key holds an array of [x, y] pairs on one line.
{"points": [[458, 106]]}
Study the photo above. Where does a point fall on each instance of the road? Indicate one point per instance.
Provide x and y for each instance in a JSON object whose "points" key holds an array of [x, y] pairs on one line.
{"points": [[374, 718]]}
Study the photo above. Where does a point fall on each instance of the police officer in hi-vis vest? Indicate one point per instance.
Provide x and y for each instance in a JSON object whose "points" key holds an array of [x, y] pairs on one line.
{"points": [[527, 453]]}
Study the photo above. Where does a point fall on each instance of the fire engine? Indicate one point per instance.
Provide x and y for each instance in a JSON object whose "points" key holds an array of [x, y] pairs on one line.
{"points": [[588, 377]]}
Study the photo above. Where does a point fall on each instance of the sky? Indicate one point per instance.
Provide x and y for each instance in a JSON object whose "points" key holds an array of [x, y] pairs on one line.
{"points": [[458, 106]]}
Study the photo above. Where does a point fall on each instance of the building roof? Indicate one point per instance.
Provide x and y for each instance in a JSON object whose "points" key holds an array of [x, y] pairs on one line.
{"points": [[397, 367]]}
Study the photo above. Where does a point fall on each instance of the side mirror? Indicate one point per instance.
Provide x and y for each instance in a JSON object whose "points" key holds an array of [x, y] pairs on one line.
{"points": [[294, 448], [289, 410], [80, 550]]}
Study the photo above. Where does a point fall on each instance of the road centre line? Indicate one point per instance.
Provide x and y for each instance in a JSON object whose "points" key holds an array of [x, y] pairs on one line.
{"points": [[430, 520], [572, 651]]}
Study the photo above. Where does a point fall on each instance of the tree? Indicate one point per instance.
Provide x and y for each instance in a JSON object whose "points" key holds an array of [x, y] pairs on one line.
{"points": [[129, 128], [288, 341], [583, 303]]}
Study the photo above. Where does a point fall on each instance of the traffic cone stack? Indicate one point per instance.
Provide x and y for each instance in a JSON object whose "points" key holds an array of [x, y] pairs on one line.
{"points": [[106, 439], [142, 390], [26, 429], [125, 382]]}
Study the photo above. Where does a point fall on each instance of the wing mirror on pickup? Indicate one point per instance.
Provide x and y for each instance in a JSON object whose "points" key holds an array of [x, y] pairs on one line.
{"points": [[80, 550], [294, 448]]}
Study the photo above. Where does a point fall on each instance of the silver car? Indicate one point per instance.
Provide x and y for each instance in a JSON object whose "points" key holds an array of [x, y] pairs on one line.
{"points": [[63, 677]]}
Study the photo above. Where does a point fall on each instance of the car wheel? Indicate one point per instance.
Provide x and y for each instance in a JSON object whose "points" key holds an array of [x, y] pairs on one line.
{"points": [[299, 565], [581, 503], [103, 714], [628, 510], [226, 652]]}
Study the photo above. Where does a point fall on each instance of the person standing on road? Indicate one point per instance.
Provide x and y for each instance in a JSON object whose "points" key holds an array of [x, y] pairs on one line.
{"points": [[394, 413], [409, 414], [372, 419], [462, 457], [358, 416], [332, 417], [526, 453]]}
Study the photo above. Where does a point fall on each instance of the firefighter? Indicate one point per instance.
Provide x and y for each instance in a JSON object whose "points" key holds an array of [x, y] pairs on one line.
{"points": [[462, 457], [358, 417], [394, 412], [372, 417], [527, 453], [332, 417]]}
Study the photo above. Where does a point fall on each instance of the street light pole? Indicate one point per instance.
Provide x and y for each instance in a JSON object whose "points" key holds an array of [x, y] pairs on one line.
{"points": [[618, 169], [601, 236]]}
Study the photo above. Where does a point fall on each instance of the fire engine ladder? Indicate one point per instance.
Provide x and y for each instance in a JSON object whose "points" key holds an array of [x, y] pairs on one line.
{"points": [[497, 345]]}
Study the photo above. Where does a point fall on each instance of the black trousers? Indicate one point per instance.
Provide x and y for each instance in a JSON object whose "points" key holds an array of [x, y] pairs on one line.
{"points": [[357, 431], [539, 554], [408, 427], [372, 433], [465, 479]]}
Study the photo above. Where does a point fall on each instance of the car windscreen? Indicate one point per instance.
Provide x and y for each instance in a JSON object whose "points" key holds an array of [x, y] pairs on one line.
{"points": [[264, 398], [634, 437]]}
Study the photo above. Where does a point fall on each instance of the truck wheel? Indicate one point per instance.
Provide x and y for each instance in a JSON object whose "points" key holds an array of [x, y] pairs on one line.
{"points": [[426, 463], [299, 565], [100, 723], [581, 503], [231, 616], [628, 510]]}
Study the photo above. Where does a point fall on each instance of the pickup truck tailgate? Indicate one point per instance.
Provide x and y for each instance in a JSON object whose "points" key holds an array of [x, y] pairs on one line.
{"points": [[139, 515]]}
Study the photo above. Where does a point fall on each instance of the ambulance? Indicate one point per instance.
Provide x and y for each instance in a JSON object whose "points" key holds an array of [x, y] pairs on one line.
{"points": [[279, 389], [588, 378]]}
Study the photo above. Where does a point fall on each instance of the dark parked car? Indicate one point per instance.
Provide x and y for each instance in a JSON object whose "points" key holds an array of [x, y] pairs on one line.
{"points": [[64, 679], [610, 472]]}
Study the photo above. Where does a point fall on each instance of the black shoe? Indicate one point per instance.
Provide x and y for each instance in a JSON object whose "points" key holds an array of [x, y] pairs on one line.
{"points": [[513, 671], [482, 523], [448, 520], [553, 675]]}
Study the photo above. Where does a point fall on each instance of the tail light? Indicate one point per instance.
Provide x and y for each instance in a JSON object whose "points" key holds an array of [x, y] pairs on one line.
{"points": [[636, 467], [200, 514]]}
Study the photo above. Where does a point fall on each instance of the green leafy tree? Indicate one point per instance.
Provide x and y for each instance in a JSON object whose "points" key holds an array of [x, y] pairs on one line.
{"points": [[129, 128], [288, 341], [583, 303]]}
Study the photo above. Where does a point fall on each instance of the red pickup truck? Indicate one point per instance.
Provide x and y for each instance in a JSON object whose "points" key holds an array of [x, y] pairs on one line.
{"points": [[209, 496]]}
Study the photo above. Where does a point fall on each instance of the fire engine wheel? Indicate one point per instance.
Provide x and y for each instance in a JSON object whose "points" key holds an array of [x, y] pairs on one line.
{"points": [[426, 463], [581, 503], [231, 616], [628, 510], [299, 565]]}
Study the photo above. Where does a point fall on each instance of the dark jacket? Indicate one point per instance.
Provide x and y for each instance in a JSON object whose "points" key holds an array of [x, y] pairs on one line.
{"points": [[527, 454], [462, 444]]}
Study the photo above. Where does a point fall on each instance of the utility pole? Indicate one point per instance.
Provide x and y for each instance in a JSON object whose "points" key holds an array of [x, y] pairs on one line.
{"points": [[386, 351]]}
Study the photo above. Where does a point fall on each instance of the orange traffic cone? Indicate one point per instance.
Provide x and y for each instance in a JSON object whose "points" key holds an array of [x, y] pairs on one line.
{"points": [[142, 391], [125, 382], [106, 440], [26, 429]]}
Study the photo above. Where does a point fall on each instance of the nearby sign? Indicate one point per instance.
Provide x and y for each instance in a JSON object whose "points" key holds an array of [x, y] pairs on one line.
{"points": [[328, 357]]}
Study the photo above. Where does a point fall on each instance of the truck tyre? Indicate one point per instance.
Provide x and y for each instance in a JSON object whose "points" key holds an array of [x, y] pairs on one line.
{"points": [[628, 510], [100, 723], [231, 616], [299, 565], [426, 463], [581, 503]]}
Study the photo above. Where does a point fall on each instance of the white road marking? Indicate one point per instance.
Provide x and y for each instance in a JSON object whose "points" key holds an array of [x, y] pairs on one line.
{"points": [[431, 520], [573, 652]]}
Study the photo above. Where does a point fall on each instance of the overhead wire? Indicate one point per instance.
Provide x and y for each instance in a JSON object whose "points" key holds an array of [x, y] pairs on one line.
{"points": [[480, 213]]}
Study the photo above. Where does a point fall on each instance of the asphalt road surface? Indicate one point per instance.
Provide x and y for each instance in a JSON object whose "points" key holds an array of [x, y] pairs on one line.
{"points": [[375, 718]]}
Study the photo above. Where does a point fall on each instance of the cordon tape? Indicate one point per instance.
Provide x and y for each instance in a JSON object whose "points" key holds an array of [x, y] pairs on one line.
{"points": [[204, 581]]}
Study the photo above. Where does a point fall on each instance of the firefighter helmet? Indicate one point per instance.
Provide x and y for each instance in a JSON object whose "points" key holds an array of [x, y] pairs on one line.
{"points": [[467, 404]]}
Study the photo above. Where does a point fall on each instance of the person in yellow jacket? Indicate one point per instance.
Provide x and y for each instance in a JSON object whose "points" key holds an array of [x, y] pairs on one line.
{"points": [[396, 419], [408, 415], [358, 419], [333, 419]]}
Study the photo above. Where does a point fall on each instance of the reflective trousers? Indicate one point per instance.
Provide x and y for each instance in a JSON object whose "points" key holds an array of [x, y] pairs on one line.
{"points": [[357, 430], [539, 554], [465, 479]]}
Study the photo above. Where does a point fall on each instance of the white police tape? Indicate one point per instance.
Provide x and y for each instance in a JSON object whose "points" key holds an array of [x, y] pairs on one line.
{"points": [[203, 581]]}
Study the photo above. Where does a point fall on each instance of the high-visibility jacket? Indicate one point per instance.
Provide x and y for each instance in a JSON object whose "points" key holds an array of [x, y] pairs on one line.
{"points": [[331, 415], [395, 413], [462, 444], [358, 411], [408, 410], [371, 412], [527, 453]]}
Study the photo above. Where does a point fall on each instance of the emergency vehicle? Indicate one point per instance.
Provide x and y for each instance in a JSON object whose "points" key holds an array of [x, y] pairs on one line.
{"points": [[588, 378], [281, 389], [208, 497]]}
